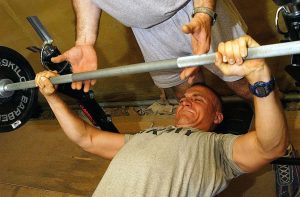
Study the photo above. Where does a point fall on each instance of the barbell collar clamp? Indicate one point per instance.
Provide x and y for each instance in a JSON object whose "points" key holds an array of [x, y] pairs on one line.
{"points": [[3, 93]]}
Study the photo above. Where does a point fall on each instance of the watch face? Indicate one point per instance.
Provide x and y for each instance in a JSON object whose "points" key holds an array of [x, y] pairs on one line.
{"points": [[260, 90]]}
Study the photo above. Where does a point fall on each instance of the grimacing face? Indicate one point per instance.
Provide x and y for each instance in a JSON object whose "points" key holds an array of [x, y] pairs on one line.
{"points": [[199, 108]]}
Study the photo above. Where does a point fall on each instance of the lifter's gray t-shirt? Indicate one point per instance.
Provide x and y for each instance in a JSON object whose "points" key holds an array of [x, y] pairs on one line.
{"points": [[170, 162]]}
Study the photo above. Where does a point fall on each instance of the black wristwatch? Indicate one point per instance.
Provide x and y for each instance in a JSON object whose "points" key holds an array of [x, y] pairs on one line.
{"points": [[262, 89]]}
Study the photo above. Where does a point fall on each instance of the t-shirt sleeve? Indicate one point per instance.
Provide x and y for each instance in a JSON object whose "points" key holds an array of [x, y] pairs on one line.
{"points": [[225, 149], [128, 137]]}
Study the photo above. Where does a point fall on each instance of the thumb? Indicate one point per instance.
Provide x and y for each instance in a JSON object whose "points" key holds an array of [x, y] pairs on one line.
{"points": [[250, 42], [219, 63], [219, 59], [59, 58], [187, 72], [182, 75], [186, 29]]}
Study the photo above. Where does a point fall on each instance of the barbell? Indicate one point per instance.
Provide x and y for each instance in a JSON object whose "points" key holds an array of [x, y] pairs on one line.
{"points": [[18, 96], [265, 51]]}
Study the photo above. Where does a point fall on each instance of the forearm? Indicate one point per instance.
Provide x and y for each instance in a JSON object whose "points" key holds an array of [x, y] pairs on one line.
{"points": [[205, 3], [91, 139], [73, 126], [88, 16], [270, 122]]}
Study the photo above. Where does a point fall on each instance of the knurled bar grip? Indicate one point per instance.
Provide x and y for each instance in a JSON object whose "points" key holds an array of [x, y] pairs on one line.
{"points": [[265, 51], [40, 29]]}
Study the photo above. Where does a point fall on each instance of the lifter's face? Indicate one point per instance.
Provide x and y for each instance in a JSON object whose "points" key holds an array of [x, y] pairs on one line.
{"points": [[198, 109]]}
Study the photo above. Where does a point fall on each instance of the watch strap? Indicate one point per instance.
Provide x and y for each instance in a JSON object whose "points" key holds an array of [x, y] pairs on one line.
{"points": [[207, 11]]}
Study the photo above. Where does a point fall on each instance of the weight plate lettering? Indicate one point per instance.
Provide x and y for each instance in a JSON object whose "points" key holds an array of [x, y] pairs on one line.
{"points": [[16, 108]]}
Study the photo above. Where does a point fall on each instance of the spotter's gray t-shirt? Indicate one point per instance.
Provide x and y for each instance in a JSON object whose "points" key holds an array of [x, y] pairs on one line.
{"points": [[157, 25], [170, 162], [141, 13]]}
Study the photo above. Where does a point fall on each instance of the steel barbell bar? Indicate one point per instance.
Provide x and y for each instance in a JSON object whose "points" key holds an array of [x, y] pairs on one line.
{"points": [[264, 51]]}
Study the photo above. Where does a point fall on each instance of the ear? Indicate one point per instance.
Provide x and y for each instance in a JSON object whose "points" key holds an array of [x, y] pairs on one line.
{"points": [[218, 117]]}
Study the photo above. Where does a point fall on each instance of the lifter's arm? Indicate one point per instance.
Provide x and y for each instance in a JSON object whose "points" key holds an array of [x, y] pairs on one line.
{"points": [[270, 138], [91, 139]]}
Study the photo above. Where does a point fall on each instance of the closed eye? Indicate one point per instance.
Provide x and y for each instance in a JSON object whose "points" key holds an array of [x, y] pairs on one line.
{"points": [[199, 99]]}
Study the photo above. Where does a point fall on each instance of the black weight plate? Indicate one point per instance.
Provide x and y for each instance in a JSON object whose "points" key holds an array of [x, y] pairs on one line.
{"points": [[17, 109]]}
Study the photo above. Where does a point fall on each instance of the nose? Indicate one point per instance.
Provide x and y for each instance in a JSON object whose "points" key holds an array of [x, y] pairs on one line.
{"points": [[186, 102]]}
